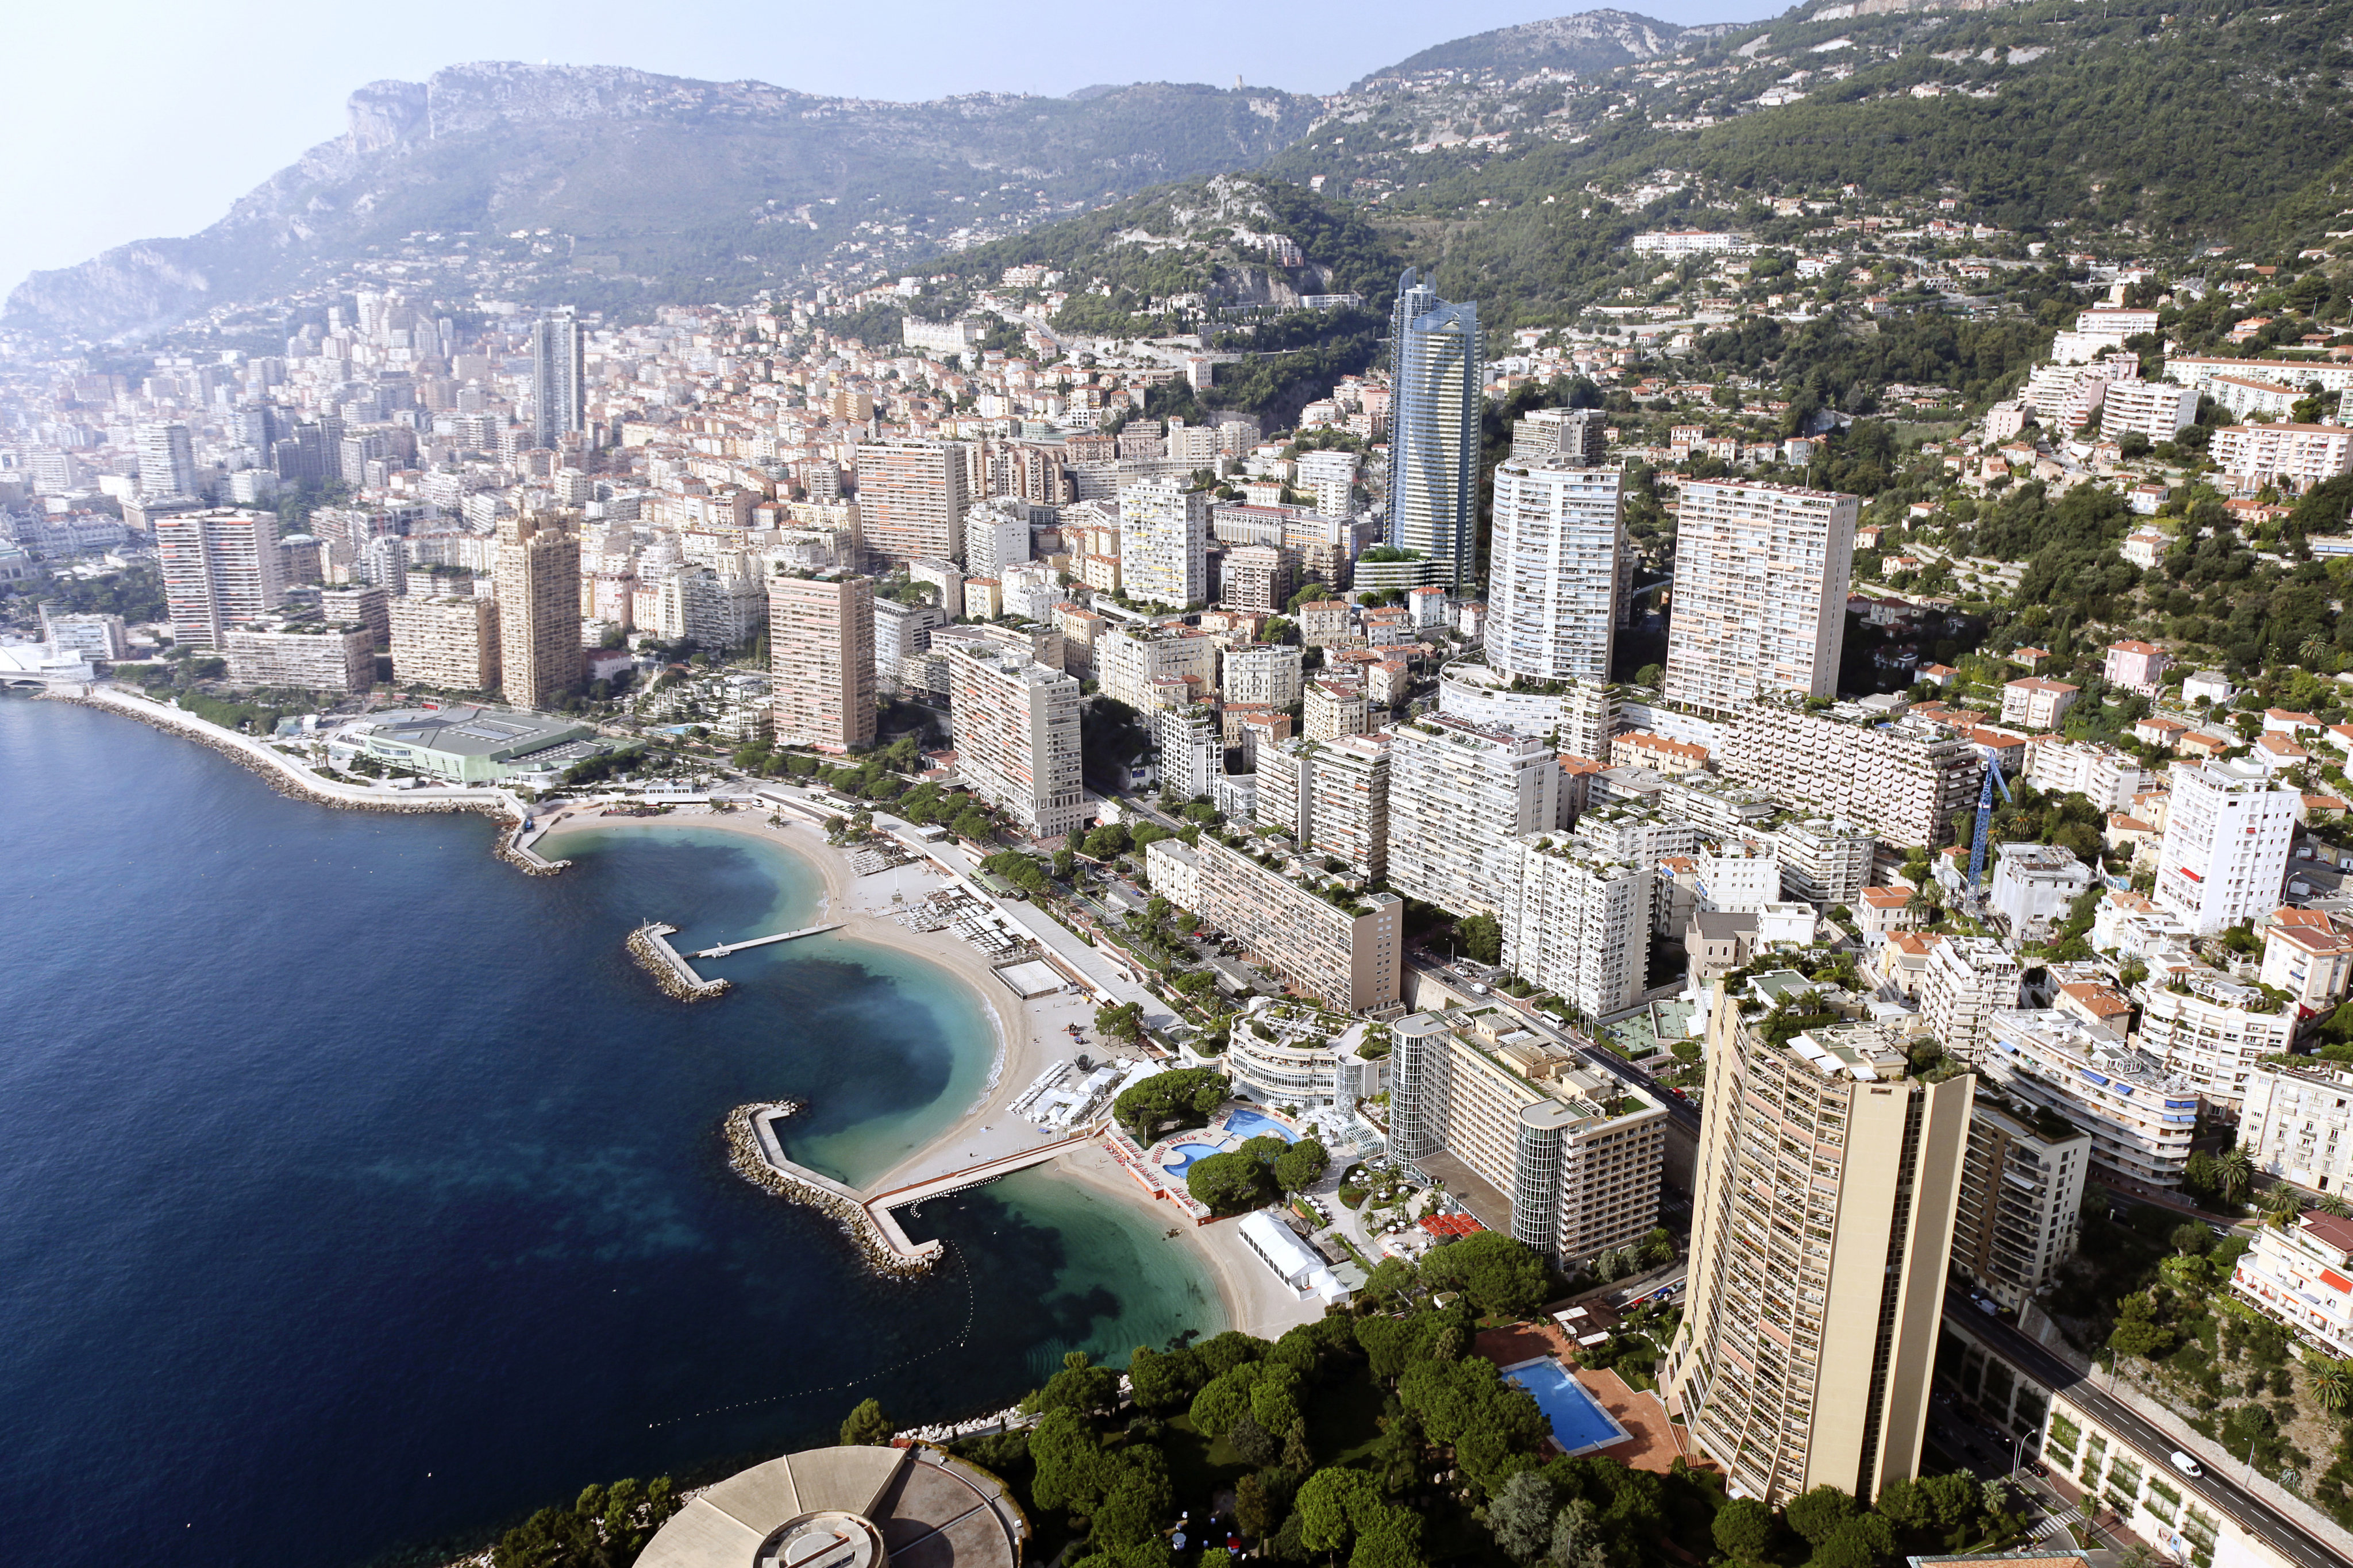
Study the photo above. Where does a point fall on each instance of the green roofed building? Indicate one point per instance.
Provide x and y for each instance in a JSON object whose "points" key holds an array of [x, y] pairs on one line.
{"points": [[471, 744]]}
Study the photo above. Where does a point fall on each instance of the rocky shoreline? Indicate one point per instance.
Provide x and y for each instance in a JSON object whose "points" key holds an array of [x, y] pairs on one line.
{"points": [[745, 1158], [655, 962], [282, 779]]}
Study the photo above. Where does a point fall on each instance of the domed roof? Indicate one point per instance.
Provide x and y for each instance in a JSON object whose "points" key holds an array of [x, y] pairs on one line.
{"points": [[846, 1507]]}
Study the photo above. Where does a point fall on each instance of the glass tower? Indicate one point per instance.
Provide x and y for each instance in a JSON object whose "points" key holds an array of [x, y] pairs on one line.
{"points": [[1436, 367]]}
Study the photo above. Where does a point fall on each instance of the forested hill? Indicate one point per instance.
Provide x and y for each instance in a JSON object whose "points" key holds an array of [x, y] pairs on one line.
{"points": [[1588, 43], [621, 188]]}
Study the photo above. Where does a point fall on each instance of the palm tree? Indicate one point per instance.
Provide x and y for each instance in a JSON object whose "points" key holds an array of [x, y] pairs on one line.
{"points": [[2332, 1383], [2333, 1204], [2280, 1205], [2234, 1173]]}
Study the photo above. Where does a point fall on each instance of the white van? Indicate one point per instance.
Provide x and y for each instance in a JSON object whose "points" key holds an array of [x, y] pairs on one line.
{"points": [[2185, 1464]]}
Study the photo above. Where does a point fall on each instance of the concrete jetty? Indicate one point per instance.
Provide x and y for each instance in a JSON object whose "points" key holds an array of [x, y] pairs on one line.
{"points": [[724, 948], [757, 1153], [650, 945]]}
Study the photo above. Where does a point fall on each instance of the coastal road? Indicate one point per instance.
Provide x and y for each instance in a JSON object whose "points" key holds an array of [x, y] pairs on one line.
{"points": [[2258, 1517]]}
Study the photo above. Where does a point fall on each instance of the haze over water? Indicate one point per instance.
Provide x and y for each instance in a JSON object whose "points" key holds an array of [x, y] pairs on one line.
{"points": [[356, 1191]]}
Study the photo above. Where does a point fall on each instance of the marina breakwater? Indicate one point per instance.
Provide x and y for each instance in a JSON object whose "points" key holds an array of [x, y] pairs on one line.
{"points": [[754, 1153], [283, 775], [650, 945]]}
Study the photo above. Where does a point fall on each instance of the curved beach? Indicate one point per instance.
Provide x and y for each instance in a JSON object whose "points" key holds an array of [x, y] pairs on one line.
{"points": [[1030, 1033]]}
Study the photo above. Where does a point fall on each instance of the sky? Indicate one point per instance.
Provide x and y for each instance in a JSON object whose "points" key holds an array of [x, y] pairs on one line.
{"points": [[131, 119]]}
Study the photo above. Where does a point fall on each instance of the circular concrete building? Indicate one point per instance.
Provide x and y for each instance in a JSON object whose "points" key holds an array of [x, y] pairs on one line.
{"points": [[847, 1508]]}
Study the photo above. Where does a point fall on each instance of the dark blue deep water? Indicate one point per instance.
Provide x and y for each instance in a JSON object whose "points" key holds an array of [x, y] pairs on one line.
{"points": [[358, 1195]]}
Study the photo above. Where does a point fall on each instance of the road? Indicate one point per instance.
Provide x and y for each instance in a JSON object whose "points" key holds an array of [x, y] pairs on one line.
{"points": [[2255, 1516]]}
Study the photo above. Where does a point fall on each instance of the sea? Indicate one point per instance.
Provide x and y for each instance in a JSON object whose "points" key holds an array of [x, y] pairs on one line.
{"points": [[359, 1196]]}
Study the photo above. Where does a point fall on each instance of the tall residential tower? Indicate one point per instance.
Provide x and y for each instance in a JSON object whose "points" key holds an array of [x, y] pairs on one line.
{"points": [[1761, 577], [1434, 428], [540, 658]]}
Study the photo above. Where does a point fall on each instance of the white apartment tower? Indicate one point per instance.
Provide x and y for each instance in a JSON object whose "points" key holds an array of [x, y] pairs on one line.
{"points": [[1575, 923], [167, 460], [1828, 1179], [1761, 578], [2224, 858], [1553, 570], [1347, 784], [1967, 980], [220, 566], [1262, 672], [1456, 793], [1163, 542], [1015, 727]]}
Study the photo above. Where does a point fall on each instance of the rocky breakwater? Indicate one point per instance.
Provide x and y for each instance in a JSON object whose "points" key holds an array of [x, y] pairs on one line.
{"points": [[647, 945], [295, 781], [754, 1154]]}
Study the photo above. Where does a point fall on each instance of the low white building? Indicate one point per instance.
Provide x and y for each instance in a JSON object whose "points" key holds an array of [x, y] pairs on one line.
{"points": [[1290, 1259], [2213, 1029], [2140, 1115], [2299, 1277], [1282, 1054], [2034, 884]]}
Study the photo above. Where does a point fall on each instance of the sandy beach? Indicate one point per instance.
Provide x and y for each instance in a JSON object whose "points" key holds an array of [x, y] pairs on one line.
{"points": [[1030, 1036]]}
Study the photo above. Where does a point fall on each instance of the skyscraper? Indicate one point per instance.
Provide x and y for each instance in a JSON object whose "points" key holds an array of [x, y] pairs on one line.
{"points": [[1434, 427], [559, 378], [1163, 542], [1761, 578], [912, 497], [167, 461], [821, 660], [1828, 1179], [220, 566], [2224, 854], [1016, 728], [538, 579], [1553, 570]]}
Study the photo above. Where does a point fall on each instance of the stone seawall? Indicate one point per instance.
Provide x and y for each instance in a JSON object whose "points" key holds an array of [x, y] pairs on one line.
{"points": [[282, 776], [748, 1158], [659, 959]]}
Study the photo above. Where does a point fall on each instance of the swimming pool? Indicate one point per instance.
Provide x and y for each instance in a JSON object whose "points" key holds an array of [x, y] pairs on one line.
{"points": [[1250, 1124], [1190, 1152], [1579, 1424]]}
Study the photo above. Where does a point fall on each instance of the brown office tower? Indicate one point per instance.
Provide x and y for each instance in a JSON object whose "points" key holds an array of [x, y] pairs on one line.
{"points": [[821, 653], [911, 499], [540, 659], [1828, 1177]]}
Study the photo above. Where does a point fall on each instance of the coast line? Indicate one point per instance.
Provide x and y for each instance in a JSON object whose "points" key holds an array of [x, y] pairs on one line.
{"points": [[288, 778]]}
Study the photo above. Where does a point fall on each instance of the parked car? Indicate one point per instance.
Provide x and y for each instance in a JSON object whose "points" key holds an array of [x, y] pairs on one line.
{"points": [[2185, 1464]]}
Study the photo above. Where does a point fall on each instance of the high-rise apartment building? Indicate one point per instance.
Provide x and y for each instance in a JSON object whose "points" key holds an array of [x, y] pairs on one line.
{"points": [[538, 578], [1579, 435], [1016, 728], [167, 460], [912, 497], [821, 660], [1553, 567], [1575, 923], [2224, 858], [1266, 673], [1456, 793], [1436, 372], [1761, 578], [1967, 981], [1533, 1140], [559, 378], [1349, 957], [1828, 1180], [301, 656], [450, 643], [1150, 667], [1347, 787], [1902, 782], [1163, 542], [220, 566], [2020, 1188]]}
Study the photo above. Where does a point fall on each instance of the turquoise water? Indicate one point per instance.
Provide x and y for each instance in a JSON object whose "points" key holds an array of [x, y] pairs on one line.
{"points": [[1579, 1424], [1193, 1154], [362, 1194], [1251, 1124]]}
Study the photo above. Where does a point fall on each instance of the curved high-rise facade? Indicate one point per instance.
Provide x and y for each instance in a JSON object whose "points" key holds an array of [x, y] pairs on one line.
{"points": [[1436, 368]]}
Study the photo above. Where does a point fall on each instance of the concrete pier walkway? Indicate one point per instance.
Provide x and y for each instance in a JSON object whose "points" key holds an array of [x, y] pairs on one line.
{"points": [[724, 948]]}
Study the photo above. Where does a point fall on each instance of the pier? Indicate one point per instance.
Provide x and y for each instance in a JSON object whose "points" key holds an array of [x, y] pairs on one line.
{"points": [[871, 1221], [724, 948], [650, 945]]}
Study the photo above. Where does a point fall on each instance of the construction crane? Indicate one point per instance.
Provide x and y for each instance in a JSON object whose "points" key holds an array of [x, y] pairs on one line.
{"points": [[1985, 820]]}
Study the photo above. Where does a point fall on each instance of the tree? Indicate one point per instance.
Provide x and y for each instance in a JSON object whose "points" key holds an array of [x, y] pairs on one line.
{"points": [[1482, 937], [1327, 1506], [867, 1427], [1184, 1098], [1253, 1442], [2332, 1384], [1230, 1182], [1163, 1382], [2138, 1331], [606, 1527], [1744, 1530], [1858, 1542], [1520, 1516], [1122, 1022], [1817, 1514], [1252, 1510], [2234, 1173], [1301, 1165], [1505, 1278]]}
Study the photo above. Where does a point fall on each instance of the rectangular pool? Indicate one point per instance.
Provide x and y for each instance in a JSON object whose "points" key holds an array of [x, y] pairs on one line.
{"points": [[1579, 1424]]}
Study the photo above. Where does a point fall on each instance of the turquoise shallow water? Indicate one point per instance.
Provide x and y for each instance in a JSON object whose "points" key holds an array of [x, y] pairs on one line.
{"points": [[360, 1192]]}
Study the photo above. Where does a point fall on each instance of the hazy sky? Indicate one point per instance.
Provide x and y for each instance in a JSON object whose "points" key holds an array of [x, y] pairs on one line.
{"points": [[130, 119]]}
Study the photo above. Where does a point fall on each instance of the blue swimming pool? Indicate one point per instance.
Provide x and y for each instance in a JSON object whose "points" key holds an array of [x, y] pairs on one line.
{"points": [[1579, 1424], [1190, 1152], [1250, 1124]]}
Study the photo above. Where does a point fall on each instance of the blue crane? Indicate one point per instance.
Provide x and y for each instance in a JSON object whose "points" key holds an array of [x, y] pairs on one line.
{"points": [[1985, 820]]}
